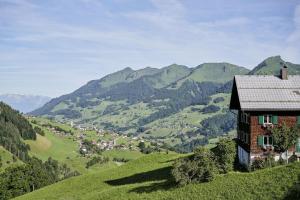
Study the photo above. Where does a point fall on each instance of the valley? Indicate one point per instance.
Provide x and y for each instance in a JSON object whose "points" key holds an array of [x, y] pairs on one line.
{"points": [[119, 137], [175, 106], [75, 147]]}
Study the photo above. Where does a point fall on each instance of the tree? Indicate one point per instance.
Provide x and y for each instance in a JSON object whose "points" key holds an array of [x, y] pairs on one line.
{"points": [[284, 137], [225, 153], [39, 131], [199, 167], [142, 145]]}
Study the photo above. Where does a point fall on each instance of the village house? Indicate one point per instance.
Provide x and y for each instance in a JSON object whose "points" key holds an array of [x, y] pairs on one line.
{"points": [[262, 102]]}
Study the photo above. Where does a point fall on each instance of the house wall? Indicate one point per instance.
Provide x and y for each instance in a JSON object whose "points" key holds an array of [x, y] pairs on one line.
{"points": [[244, 156], [256, 129], [243, 128]]}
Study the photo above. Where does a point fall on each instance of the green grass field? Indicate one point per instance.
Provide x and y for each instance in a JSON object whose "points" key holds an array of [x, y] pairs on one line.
{"points": [[65, 149], [149, 178], [7, 159]]}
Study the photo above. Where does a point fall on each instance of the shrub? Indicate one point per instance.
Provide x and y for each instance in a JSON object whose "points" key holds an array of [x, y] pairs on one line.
{"points": [[258, 163], [225, 153], [270, 161], [198, 168], [210, 109], [293, 158], [218, 99], [95, 160], [39, 131]]}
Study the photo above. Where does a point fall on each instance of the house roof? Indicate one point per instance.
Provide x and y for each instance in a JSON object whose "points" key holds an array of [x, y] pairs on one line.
{"points": [[266, 93]]}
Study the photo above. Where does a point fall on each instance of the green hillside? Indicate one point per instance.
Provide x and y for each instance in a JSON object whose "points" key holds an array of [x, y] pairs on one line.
{"points": [[149, 178], [215, 72], [173, 106], [272, 66], [6, 159], [14, 129], [168, 75], [65, 148]]}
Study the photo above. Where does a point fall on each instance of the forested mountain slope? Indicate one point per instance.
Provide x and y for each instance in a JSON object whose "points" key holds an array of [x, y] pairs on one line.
{"points": [[14, 128], [177, 106]]}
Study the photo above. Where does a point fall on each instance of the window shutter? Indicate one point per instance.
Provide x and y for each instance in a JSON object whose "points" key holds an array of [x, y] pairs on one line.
{"points": [[298, 120], [260, 140], [275, 119], [261, 119]]}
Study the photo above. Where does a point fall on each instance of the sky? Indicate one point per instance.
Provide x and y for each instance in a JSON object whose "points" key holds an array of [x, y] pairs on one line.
{"points": [[53, 47]]}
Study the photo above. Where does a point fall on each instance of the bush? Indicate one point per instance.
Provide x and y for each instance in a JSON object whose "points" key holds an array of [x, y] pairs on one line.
{"points": [[210, 109], [258, 163], [267, 162], [293, 158], [225, 154], [218, 99], [198, 168], [39, 131], [95, 160], [270, 161]]}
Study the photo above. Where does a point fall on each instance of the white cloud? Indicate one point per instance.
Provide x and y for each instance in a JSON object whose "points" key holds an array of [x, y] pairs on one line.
{"points": [[98, 38], [292, 48]]}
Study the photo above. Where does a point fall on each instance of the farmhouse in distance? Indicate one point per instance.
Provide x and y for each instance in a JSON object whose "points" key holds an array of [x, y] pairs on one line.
{"points": [[263, 102]]}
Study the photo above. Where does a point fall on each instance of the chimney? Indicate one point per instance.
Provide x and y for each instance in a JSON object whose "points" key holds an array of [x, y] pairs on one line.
{"points": [[284, 72]]}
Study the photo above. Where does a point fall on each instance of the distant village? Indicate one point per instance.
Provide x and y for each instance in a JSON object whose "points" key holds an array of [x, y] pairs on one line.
{"points": [[98, 143]]}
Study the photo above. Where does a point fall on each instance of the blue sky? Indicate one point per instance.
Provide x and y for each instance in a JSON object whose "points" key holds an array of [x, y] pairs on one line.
{"points": [[52, 47]]}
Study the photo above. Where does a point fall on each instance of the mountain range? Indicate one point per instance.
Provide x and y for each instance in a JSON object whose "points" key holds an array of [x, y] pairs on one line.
{"points": [[178, 106], [24, 103]]}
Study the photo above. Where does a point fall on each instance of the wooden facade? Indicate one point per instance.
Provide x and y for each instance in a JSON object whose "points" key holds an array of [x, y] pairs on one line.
{"points": [[248, 132]]}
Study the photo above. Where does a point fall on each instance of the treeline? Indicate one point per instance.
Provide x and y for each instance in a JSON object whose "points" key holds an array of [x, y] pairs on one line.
{"points": [[212, 127], [35, 174], [190, 93], [13, 128], [49, 125], [217, 125], [189, 146], [97, 160]]}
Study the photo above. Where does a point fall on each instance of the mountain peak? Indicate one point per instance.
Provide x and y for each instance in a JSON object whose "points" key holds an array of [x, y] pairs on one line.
{"points": [[270, 66], [127, 69]]}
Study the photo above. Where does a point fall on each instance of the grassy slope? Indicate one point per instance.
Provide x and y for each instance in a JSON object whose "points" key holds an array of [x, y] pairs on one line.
{"points": [[168, 75], [7, 159], [272, 66], [149, 178], [65, 149], [185, 120], [214, 72]]}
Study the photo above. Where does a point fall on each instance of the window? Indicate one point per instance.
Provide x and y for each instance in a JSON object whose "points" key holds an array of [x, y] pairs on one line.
{"points": [[267, 119], [268, 140], [265, 140], [244, 118], [243, 136]]}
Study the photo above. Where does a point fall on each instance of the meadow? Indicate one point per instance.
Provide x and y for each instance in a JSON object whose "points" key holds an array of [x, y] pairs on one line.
{"points": [[149, 178], [65, 149], [7, 159]]}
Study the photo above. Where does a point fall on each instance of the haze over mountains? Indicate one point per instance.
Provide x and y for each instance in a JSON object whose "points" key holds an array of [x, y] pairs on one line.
{"points": [[24, 103], [176, 105]]}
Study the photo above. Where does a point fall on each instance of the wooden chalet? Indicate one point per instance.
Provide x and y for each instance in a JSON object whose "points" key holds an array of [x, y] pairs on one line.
{"points": [[262, 102]]}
